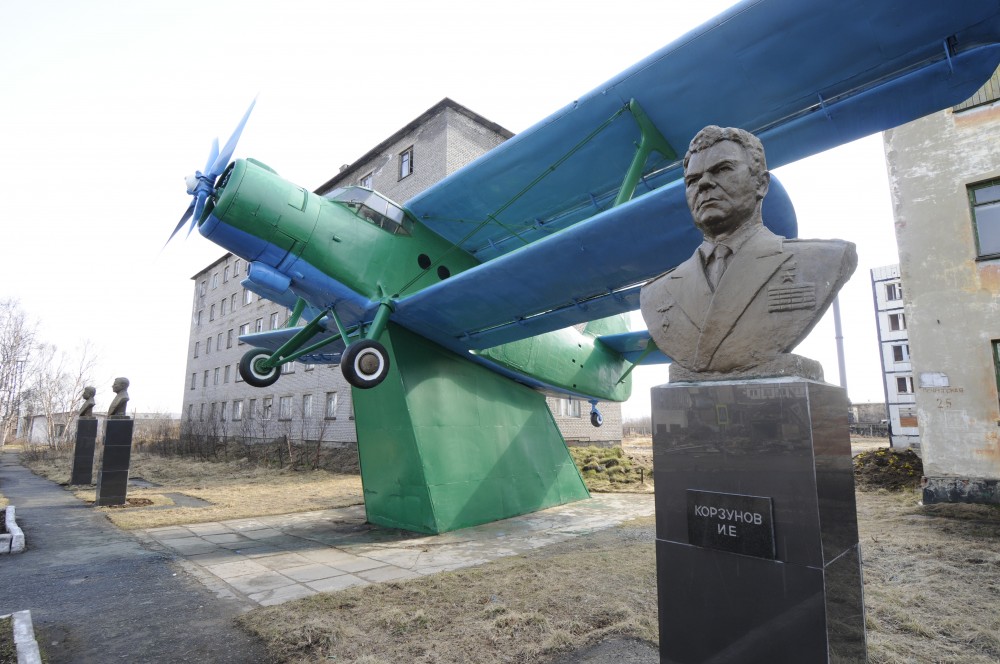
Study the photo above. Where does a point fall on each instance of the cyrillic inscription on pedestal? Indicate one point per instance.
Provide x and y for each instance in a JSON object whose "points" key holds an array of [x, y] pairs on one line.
{"points": [[731, 522]]}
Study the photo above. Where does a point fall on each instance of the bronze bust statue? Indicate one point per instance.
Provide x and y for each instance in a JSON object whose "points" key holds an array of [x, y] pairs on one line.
{"points": [[87, 409], [118, 404], [746, 296]]}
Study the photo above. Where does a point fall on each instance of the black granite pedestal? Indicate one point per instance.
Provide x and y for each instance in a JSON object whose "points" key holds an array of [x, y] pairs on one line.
{"points": [[112, 481], [756, 525], [83, 451]]}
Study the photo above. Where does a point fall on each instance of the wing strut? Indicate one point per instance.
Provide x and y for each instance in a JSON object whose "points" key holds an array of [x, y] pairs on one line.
{"points": [[652, 140]]}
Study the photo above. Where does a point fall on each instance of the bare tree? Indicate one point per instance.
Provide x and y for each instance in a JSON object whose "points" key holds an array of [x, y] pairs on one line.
{"points": [[17, 341], [56, 379]]}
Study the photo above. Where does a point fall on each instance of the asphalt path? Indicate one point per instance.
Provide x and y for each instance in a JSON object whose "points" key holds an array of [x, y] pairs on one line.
{"points": [[97, 595]]}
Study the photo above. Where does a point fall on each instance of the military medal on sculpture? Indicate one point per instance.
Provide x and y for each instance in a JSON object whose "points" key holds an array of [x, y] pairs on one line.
{"points": [[747, 296]]}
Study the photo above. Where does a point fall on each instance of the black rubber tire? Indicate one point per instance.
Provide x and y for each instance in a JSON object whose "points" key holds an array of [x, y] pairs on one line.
{"points": [[365, 364], [252, 375], [596, 418]]}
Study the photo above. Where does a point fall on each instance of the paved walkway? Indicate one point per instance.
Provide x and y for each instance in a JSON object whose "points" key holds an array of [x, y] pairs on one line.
{"points": [[270, 560], [97, 595]]}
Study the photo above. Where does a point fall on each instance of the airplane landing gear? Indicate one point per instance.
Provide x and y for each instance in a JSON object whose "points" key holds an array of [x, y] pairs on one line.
{"points": [[365, 363], [254, 373], [596, 419]]}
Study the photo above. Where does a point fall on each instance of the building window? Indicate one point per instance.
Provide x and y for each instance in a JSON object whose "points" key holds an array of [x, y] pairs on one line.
{"points": [[288, 367], [236, 268], [569, 408], [901, 353], [218, 342], [247, 297], [253, 408], [215, 281], [274, 321], [406, 162], [203, 289], [307, 405], [194, 380], [197, 347], [201, 412], [366, 181], [197, 317], [238, 410], [190, 412], [904, 384], [215, 376], [897, 322], [229, 339], [211, 413], [225, 374], [208, 345], [211, 313], [204, 380], [222, 411], [908, 417], [894, 291], [222, 307], [259, 325], [267, 405], [225, 275], [244, 329], [310, 367], [232, 303], [285, 408], [985, 201], [331, 405]]}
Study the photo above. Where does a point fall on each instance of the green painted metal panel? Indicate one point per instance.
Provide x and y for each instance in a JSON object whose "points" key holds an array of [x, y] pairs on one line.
{"points": [[446, 443]]}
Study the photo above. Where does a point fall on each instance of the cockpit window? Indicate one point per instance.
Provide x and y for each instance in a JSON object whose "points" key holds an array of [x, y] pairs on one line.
{"points": [[374, 208]]}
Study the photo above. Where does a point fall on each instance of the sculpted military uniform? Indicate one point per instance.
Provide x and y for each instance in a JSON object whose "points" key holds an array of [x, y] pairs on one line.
{"points": [[770, 296]]}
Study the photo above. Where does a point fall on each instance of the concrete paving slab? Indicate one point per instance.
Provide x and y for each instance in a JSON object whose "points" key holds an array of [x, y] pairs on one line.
{"points": [[326, 550]]}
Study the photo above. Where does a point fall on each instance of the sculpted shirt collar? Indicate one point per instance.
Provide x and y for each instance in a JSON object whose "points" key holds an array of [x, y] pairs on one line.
{"points": [[734, 241]]}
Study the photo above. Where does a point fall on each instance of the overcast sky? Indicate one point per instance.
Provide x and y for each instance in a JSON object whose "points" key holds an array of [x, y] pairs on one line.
{"points": [[106, 105]]}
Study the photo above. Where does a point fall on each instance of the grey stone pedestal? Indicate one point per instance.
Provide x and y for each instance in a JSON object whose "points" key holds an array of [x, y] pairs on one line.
{"points": [[756, 525], [112, 481], [83, 451]]}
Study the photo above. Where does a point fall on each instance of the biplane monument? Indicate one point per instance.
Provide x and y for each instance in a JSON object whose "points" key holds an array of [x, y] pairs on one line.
{"points": [[451, 313]]}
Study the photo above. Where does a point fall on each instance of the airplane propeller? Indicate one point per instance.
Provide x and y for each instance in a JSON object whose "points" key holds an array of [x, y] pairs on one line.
{"points": [[201, 185]]}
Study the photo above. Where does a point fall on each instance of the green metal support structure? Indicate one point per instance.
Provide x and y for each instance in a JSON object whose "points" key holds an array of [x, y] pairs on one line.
{"points": [[445, 443]]}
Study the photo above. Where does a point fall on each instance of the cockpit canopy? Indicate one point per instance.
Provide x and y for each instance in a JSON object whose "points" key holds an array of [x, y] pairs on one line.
{"points": [[373, 207]]}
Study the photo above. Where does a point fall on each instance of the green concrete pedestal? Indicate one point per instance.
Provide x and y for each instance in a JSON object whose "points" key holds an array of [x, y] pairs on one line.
{"points": [[445, 443]]}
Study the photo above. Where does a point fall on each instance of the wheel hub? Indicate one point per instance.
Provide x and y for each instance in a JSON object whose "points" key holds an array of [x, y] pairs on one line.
{"points": [[369, 363]]}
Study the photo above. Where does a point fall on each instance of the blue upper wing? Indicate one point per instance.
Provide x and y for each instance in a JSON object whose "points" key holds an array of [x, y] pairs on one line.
{"points": [[802, 75]]}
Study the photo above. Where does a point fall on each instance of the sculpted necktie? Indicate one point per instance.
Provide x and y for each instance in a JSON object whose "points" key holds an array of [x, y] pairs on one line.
{"points": [[717, 265]]}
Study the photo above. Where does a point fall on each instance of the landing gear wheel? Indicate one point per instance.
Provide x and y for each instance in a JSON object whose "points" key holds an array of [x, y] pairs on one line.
{"points": [[596, 418], [254, 374], [365, 364]]}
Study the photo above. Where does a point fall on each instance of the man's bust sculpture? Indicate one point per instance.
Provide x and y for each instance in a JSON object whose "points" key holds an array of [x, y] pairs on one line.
{"points": [[747, 296], [87, 409], [120, 402]]}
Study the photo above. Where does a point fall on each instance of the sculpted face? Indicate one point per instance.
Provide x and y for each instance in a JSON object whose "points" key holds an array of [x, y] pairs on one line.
{"points": [[722, 191]]}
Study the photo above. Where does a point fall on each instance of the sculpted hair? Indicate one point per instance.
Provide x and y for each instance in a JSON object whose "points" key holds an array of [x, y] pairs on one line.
{"points": [[712, 134]]}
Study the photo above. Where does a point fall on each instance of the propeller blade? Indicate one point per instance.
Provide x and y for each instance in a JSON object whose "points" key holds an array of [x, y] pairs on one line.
{"points": [[199, 207], [213, 155], [227, 152], [180, 224]]}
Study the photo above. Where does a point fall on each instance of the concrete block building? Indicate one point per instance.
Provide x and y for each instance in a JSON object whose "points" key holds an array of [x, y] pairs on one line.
{"points": [[894, 349], [313, 402], [944, 177]]}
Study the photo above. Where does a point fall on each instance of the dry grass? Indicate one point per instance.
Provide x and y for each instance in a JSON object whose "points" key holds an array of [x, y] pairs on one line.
{"points": [[932, 585], [516, 609], [612, 470], [235, 489]]}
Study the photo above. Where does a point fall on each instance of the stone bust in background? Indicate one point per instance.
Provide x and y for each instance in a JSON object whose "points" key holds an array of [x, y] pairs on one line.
{"points": [[747, 296], [87, 409], [119, 403]]}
